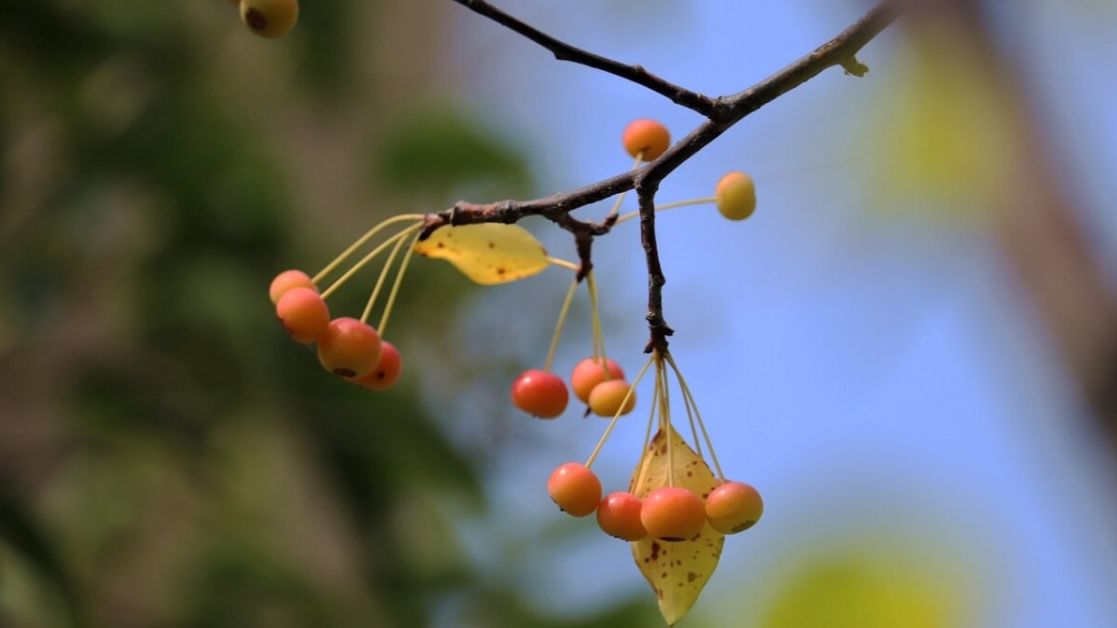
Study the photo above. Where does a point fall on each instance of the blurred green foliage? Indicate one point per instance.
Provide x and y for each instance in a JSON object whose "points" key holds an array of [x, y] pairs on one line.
{"points": [[166, 456]]}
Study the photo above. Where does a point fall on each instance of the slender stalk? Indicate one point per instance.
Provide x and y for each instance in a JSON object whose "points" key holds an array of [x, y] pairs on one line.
{"points": [[361, 241], [617, 416], [380, 280], [383, 326], [563, 312], [340, 281], [701, 424]]}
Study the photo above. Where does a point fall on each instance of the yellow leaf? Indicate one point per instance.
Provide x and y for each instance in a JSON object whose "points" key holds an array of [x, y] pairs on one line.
{"points": [[488, 253], [677, 571]]}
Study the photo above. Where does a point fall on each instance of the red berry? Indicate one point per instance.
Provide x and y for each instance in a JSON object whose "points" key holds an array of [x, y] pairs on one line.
{"points": [[647, 138], [286, 280], [589, 373], [349, 348], [387, 372], [303, 314], [575, 489], [607, 397], [673, 514], [540, 394], [733, 507], [619, 515]]}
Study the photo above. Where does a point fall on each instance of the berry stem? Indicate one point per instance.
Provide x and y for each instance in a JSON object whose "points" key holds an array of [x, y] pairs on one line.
{"points": [[549, 362], [380, 280], [701, 424], [665, 423], [340, 281], [383, 326], [556, 261], [620, 197], [360, 242], [617, 416], [598, 336], [705, 200], [651, 415]]}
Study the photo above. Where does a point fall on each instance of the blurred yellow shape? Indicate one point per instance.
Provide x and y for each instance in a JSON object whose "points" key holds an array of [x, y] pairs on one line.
{"points": [[488, 253], [945, 141], [856, 591], [677, 571]]}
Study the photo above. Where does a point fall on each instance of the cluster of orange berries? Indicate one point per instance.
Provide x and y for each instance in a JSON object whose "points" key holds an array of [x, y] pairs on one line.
{"points": [[268, 18], [670, 513], [347, 347], [597, 382]]}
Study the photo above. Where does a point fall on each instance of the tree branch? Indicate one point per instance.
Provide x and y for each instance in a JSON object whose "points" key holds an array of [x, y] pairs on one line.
{"points": [[722, 114], [566, 52]]}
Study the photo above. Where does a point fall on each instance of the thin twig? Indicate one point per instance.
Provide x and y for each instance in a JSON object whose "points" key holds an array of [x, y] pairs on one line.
{"points": [[726, 112], [566, 52]]}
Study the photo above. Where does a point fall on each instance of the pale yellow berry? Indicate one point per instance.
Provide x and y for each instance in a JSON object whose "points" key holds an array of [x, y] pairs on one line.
{"points": [[735, 196]]}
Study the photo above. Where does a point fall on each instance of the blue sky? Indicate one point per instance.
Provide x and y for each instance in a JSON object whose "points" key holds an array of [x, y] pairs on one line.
{"points": [[874, 376]]}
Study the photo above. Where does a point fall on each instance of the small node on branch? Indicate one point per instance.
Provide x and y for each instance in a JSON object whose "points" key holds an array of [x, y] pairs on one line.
{"points": [[853, 67]]}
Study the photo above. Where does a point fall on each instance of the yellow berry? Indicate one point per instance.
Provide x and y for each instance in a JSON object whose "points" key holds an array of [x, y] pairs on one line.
{"points": [[575, 489], [735, 196], [733, 507], [270, 18], [673, 514], [589, 373], [647, 138], [606, 398]]}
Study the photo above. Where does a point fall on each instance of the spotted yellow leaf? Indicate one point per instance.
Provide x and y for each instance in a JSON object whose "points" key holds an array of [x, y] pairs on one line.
{"points": [[488, 253], [677, 571]]}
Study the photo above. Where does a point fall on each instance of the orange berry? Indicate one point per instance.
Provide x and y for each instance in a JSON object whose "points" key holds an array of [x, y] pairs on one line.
{"points": [[575, 489], [303, 314], [735, 196], [734, 507], [387, 372], [349, 348], [286, 280], [619, 515], [673, 514], [607, 397], [540, 394], [269, 18], [589, 373], [645, 136]]}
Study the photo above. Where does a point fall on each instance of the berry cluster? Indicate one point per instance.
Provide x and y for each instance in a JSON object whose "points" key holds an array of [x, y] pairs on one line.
{"points": [[269, 18], [670, 512], [347, 347], [674, 495]]}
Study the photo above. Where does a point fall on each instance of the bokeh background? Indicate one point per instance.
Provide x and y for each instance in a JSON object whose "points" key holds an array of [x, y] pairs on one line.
{"points": [[911, 348]]}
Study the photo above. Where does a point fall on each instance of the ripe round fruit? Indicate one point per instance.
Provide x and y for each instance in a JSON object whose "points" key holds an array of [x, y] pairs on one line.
{"points": [[673, 514], [734, 507], [735, 196], [387, 372], [575, 489], [607, 397], [349, 348], [303, 314], [645, 137], [269, 18], [588, 373], [619, 515], [540, 394], [286, 280]]}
